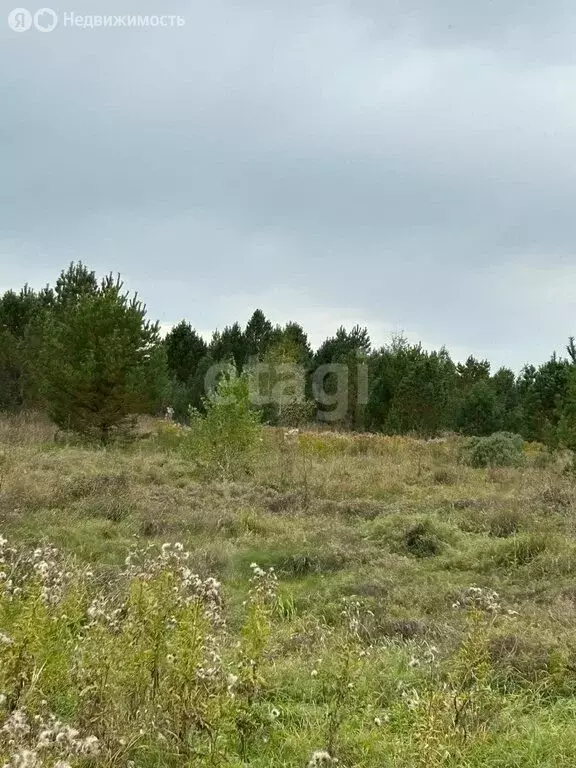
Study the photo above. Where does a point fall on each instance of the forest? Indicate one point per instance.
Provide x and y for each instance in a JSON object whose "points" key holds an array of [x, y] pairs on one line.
{"points": [[84, 352]]}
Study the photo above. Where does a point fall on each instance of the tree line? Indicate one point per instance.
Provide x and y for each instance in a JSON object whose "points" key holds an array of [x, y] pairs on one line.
{"points": [[84, 351]]}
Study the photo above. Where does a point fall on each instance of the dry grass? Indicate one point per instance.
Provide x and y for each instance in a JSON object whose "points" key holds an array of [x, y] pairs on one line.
{"points": [[317, 504], [397, 521]]}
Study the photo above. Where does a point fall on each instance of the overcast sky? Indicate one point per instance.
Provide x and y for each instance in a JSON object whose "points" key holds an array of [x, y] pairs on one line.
{"points": [[405, 164]]}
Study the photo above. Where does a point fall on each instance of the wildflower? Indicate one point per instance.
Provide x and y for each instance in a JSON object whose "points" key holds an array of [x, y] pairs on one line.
{"points": [[91, 746], [231, 680], [476, 598], [377, 721], [16, 725], [410, 696], [170, 658], [414, 662], [275, 714], [188, 587], [45, 737], [314, 673], [26, 758], [263, 584], [430, 654], [256, 570], [321, 758]]}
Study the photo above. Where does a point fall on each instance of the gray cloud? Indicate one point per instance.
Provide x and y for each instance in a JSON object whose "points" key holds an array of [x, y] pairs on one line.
{"points": [[407, 164]]}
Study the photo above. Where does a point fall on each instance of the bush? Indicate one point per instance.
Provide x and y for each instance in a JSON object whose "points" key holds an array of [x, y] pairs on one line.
{"points": [[227, 439], [423, 540], [502, 449]]}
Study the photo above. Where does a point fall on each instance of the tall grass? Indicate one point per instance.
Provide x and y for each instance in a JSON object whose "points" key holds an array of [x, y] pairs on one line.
{"points": [[350, 600]]}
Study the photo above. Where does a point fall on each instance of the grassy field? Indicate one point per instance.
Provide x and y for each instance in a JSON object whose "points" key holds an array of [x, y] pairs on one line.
{"points": [[419, 612]]}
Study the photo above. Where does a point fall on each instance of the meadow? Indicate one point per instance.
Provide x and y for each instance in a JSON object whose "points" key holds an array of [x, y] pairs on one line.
{"points": [[354, 600]]}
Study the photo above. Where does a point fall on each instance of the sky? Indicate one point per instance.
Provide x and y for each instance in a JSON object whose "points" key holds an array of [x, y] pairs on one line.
{"points": [[409, 165]]}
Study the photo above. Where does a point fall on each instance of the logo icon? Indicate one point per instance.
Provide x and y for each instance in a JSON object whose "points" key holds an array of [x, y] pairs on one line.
{"points": [[20, 20], [45, 20]]}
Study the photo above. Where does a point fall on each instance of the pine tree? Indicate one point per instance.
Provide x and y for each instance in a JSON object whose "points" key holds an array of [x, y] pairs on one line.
{"points": [[74, 284], [11, 371], [278, 380], [423, 393], [479, 413], [95, 360], [566, 430], [229, 346], [257, 335], [185, 348], [542, 392], [472, 371], [21, 319], [349, 352]]}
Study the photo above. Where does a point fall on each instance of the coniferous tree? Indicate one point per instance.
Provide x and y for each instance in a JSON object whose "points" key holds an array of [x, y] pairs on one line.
{"points": [[257, 336], [566, 429], [11, 371], [278, 380], [542, 391], [423, 394], [229, 346], [96, 355], [509, 407], [479, 412], [346, 356], [472, 371], [73, 284], [185, 348], [21, 319]]}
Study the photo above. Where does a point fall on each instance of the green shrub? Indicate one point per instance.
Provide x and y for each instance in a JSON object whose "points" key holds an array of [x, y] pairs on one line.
{"points": [[226, 441], [502, 449], [423, 540]]}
